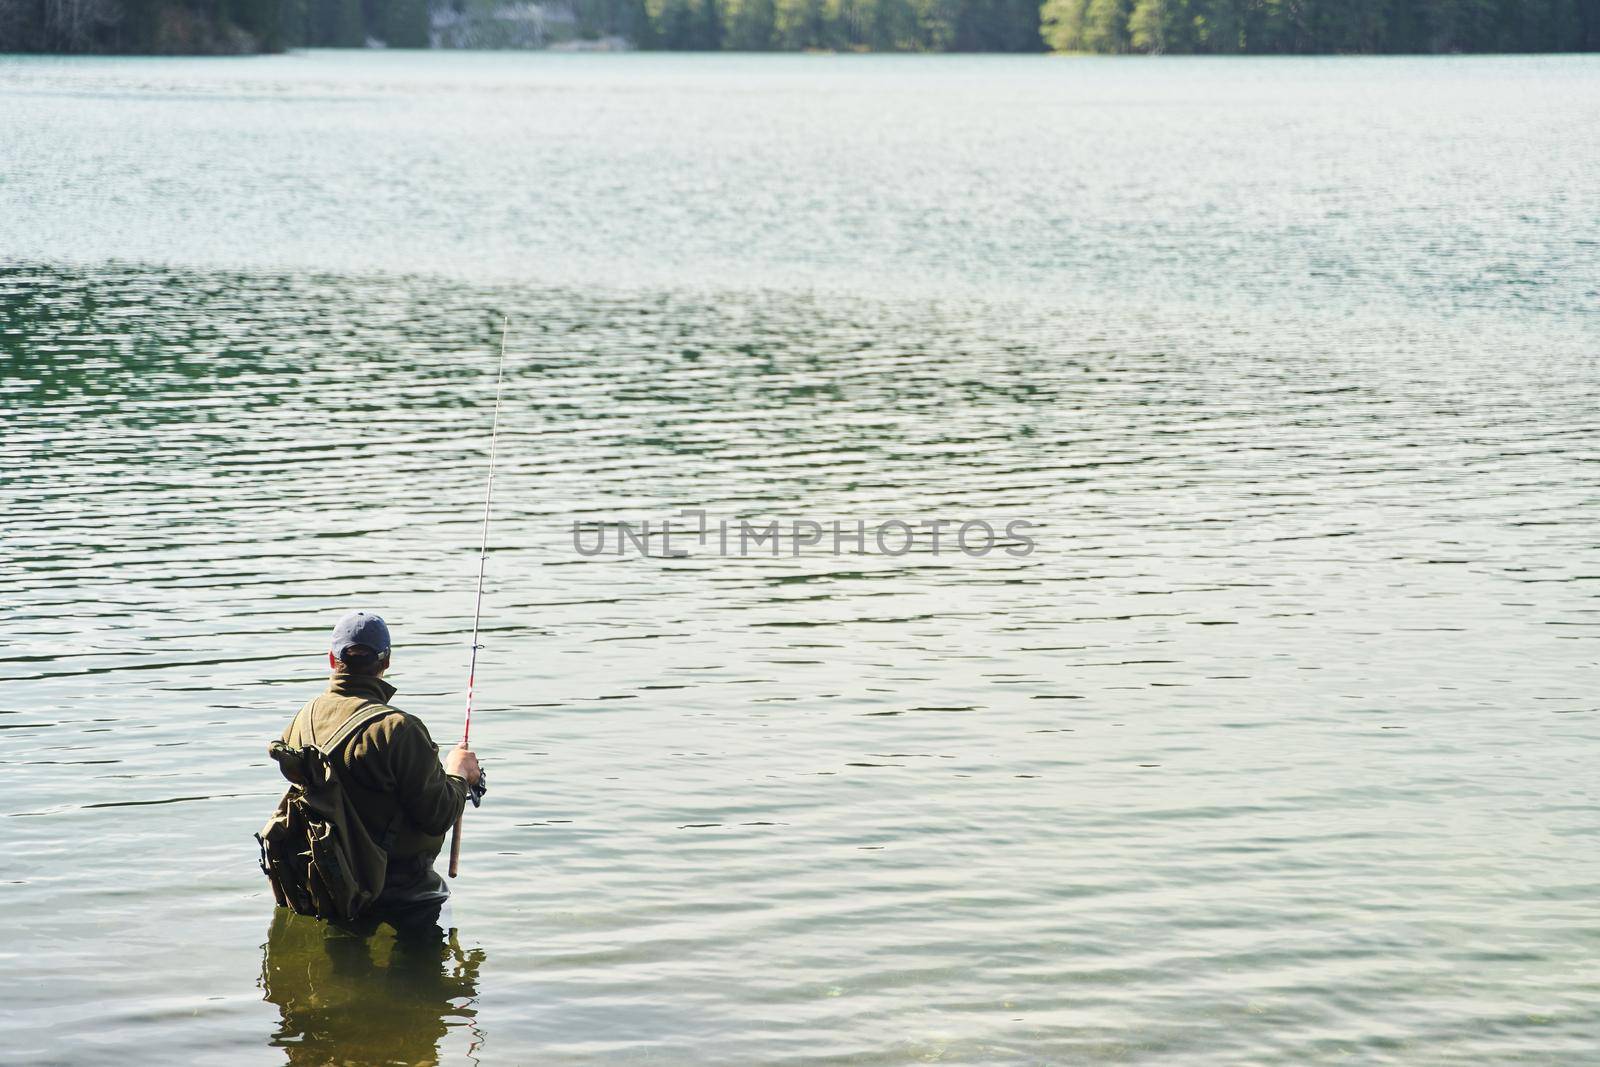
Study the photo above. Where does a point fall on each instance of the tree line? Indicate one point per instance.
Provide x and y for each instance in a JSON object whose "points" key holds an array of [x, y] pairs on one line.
{"points": [[1318, 27], [841, 25], [1224, 27]]}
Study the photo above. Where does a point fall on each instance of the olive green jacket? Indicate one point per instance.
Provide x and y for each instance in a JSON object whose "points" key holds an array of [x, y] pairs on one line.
{"points": [[390, 769]]}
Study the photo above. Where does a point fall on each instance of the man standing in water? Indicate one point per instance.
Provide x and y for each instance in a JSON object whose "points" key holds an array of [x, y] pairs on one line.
{"points": [[390, 770]]}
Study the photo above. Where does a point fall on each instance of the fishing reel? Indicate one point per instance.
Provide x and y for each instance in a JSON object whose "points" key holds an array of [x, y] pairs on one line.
{"points": [[475, 792]]}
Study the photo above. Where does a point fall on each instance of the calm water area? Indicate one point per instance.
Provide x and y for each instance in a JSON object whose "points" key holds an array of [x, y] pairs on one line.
{"points": [[1277, 748]]}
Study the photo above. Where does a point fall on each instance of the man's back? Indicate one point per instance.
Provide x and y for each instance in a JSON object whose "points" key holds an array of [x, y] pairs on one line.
{"points": [[390, 769], [387, 770]]}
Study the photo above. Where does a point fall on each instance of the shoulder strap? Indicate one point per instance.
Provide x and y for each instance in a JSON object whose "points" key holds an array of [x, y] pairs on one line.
{"points": [[294, 724], [365, 714]]}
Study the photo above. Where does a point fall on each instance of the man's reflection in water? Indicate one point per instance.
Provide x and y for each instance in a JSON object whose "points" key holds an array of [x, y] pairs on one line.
{"points": [[366, 995]]}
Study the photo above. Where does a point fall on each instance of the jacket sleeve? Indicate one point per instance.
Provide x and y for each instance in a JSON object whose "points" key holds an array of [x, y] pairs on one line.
{"points": [[401, 758]]}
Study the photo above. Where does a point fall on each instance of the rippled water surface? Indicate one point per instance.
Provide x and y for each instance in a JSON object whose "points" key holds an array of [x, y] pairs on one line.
{"points": [[1278, 748]]}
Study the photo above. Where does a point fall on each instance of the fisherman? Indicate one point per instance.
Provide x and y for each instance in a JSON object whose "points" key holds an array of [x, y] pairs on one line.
{"points": [[391, 772]]}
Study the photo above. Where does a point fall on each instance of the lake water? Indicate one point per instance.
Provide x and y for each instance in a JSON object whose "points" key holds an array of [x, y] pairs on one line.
{"points": [[1277, 749]]}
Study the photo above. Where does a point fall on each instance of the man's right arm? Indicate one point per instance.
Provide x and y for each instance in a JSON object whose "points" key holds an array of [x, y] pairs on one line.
{"points": [[406, 763]]}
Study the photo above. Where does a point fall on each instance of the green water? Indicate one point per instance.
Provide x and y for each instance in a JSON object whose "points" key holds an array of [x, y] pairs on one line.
{"points": [[1277, 750]]}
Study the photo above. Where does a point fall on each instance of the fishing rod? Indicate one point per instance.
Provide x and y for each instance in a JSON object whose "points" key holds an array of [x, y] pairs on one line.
{"points": [[479, 788]]}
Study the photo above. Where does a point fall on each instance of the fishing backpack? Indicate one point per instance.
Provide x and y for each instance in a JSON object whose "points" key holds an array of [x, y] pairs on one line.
{"points": [[315, 850]]}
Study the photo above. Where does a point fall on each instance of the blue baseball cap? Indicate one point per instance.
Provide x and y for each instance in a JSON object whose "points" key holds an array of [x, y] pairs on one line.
{"points": [[360, 628]]}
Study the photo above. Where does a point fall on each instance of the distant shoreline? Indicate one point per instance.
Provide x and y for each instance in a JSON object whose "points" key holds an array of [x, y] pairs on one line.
{"points": [[582, 48], [1083, 27]]}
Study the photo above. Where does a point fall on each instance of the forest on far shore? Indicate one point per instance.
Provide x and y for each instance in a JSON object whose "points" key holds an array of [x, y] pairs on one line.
{"points": [[1199, 27]]}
